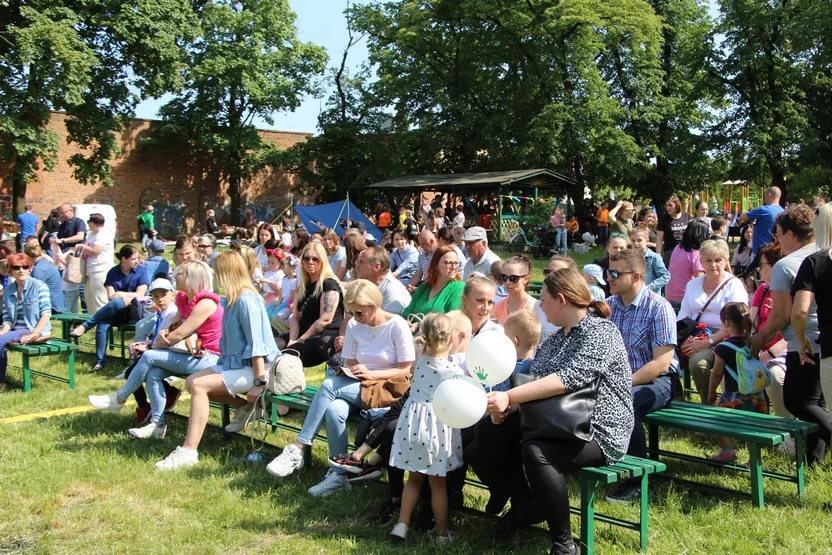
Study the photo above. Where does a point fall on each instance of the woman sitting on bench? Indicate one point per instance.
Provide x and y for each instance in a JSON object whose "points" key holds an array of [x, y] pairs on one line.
{"points": [[124, 282], [27, 309]]}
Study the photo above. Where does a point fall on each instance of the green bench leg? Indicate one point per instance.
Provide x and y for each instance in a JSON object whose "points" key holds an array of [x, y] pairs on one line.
{"points": [[274, 416], [71, 369], [642, 520], [686, 383], [800, 459], [756, 465], [588, 488], [27, 377]]}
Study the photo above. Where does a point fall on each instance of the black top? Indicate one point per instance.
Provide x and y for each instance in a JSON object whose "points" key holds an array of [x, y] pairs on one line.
{"points": [[729, 355], [673, 230], [815, 275], [211, 225], [309, 309], [50, 225]]}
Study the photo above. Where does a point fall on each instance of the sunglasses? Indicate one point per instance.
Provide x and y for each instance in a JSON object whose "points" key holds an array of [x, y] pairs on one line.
{"points": [[618, 234], [511, 279], [615, 274], [203, 246], [356, 313], [310, 259], [16, 268]]}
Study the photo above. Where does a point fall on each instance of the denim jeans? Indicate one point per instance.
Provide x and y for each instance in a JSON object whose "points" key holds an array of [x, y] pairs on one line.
{"points": [[71, 299], [145, 328], [5, 339], [153, 367], [336, 397], [648, 398], [111, 313]]}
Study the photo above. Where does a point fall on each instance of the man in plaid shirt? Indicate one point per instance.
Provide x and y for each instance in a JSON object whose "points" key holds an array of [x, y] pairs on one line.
{"points": [[648, 325]]}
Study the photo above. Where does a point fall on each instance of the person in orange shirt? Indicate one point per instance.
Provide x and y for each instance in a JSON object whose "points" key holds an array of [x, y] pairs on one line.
{"points": [[572, 228], [384, 219], [603, 225]]}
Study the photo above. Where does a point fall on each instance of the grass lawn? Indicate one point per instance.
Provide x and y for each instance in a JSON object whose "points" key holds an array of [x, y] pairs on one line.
{"points": [[76, 483]]}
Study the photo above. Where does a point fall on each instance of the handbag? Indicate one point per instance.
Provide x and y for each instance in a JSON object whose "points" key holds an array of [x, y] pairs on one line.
{"points": [[76, 269], [378, 394], [141, 308], [286, 374], [566, 417], [191, 345], [687, 326]]}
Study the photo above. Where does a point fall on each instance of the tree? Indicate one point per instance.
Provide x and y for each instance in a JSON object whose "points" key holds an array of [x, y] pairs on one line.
{"points": [[95, 60], [247, 64]]}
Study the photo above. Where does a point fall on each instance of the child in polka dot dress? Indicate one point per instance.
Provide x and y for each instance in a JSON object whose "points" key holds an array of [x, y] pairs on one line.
{"points": [[423, 445]]}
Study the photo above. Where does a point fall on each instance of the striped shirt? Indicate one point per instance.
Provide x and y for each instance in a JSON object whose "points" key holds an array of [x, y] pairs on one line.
{"points": [[646, 323]]}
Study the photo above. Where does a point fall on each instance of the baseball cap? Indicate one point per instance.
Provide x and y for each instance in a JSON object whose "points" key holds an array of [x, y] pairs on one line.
{"points": [[160, 283], [475, 233], [156, 245], [595, 271]]}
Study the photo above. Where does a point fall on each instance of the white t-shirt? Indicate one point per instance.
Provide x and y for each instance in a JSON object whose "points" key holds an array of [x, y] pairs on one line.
{"points": [[379, 347], [286, 239], [287, 287], [340, 257], [275, 276], [695, 298], [483, 266], [395, 297], [104, 261], [459, 219], [262, 256]]}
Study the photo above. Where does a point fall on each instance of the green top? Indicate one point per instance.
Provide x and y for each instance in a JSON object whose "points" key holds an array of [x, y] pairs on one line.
{"points": [[147, 219], [450, 298]]}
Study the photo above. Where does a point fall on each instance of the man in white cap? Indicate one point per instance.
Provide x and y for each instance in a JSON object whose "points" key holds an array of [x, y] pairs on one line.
{"points": [[480, 257]]}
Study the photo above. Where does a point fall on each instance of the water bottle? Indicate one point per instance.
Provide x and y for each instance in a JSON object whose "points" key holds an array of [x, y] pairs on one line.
{"points": [[254, 458]]}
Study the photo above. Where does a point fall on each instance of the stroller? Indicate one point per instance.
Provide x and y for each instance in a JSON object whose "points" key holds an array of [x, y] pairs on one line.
{"points": [[544, 242]]}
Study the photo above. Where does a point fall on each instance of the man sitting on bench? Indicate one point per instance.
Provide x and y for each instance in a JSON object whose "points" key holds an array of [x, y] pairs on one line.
{"points": [[648, 325]]}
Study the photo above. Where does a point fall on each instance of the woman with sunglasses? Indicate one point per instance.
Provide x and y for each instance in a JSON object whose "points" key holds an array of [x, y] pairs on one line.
{"points": [[442, 290], [378, 345], [671, 227], [125, 281], [515, 278], [318, 309], [27, 309]]}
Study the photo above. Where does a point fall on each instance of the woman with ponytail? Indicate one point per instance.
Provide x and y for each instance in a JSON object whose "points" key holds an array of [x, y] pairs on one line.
{"points": [[585, 348]]}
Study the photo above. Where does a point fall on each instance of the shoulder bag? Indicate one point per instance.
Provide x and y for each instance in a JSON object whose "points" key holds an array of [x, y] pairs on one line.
{"points": [[566, 417], [76, 269], [687, 326], [378, 394], [191, 345]]}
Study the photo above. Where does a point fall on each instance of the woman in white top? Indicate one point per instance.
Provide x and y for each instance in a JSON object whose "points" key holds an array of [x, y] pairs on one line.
{"points": [[335, 253], [378, 345], [264, 235], [724, 287], [99, 249]]}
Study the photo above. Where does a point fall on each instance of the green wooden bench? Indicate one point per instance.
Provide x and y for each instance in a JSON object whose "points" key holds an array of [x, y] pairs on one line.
{"points": [[70, 320], [47, 348], [590, 478], [758, 430]]}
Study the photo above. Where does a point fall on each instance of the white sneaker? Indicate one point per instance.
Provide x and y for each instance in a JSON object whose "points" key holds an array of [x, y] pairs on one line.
{"points": [[241, 417], [333, 482], [285, 463], [151, 431], [399, 532], [445, 540], [106, 402], [180, 457]]}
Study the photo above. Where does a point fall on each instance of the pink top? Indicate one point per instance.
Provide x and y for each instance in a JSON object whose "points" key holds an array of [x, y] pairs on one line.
{"points": [[500, 311], [211, 329], [683, 265], [762, 300], [556, 220]]}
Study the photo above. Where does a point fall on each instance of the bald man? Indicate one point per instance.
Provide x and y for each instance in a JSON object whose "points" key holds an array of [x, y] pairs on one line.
{"points": [[428, 246]]}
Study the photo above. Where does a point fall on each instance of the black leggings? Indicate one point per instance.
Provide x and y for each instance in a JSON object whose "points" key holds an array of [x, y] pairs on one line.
{"points": [[803, 397], [495, 457], [313, 351], [545, 463]]}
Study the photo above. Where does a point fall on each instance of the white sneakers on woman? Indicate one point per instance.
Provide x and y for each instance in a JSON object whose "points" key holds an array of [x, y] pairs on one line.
{"points": [[106, 402], [180, 458], [241, 418], [332, 483], [290, 460], [151, 431]]}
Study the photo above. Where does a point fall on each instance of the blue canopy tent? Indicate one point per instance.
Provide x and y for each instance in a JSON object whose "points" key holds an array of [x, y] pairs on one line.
{"points": [[334, 215]]}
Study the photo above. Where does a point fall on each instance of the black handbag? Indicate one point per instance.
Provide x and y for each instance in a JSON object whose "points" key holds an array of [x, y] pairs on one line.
{"points": [[562, 417]]}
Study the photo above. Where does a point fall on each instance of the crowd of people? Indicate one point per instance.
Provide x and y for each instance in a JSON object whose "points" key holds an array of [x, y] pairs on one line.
{"points": [[393, 318]]}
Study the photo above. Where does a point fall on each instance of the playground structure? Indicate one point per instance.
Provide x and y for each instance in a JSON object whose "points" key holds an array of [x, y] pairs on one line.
{"points": [[737, 197]]}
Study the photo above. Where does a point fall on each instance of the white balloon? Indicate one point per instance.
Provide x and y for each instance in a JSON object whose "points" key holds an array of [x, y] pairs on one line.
{"points": [[491, 357], [460, 402]]}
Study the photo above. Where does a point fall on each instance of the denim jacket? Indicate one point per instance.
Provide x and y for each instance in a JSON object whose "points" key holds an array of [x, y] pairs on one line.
{"points": [[36, 302], [246, 333], [657, 273], [405, 264]]}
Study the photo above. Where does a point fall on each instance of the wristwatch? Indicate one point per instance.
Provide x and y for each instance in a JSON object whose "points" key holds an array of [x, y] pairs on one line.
{"points": [[258, 383], [710, 341]]}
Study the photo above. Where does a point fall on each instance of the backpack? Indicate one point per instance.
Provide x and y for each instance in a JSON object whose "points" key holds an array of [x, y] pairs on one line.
{"points": [[286, 374], [751, 374]]}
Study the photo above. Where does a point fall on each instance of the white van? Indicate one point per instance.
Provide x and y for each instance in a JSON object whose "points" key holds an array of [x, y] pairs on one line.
{"points": [[84, 211]]}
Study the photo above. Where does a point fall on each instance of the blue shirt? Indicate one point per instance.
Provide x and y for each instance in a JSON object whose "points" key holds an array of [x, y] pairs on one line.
{"points": [[646, 323], [657, 273], [404, 263], [28, 225], [246, 333], [154, 265], [763, 218], [522, 367], [69, 228], [129, 283], [48, 274]]}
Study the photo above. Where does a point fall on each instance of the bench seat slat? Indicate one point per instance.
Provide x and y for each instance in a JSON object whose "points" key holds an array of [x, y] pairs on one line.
{"points": [[763, 420], [745, 433]]}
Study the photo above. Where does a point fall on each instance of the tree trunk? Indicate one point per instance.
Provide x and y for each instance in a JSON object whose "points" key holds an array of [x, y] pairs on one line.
{"points": [[236, 202], [18, 196]]}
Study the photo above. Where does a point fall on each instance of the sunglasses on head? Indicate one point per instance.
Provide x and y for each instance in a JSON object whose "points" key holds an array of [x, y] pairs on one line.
{"points": [[618, 234], [310, 259], [511, 279], [615, 274], [15, 268]]}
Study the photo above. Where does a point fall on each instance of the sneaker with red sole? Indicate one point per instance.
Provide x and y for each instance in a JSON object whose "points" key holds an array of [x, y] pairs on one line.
{"points": [[346, 462], [142, 415], [369, 473], [172, 397]]}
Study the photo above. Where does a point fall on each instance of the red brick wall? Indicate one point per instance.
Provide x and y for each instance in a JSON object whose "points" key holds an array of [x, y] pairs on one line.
{"points": [[183, 188]]}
